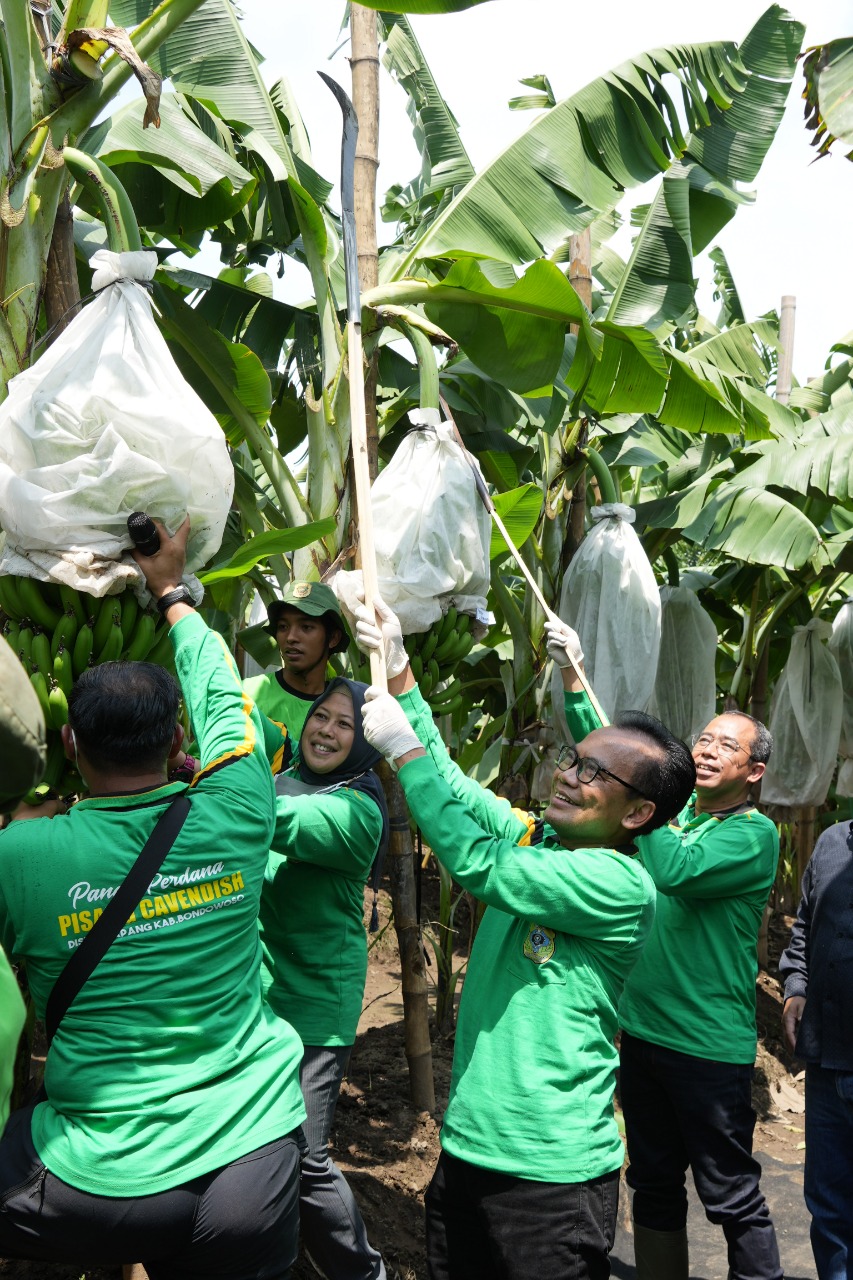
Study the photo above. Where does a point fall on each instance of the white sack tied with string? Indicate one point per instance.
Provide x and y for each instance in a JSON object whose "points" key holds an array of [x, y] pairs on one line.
{"points": [[610, 597], [684, 695], [805, 720], [431, 531], [104, 424], [841, 648]]}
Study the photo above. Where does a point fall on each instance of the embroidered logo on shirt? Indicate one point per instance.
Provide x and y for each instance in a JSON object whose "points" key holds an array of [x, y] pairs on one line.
{"points": [[539, 944]]}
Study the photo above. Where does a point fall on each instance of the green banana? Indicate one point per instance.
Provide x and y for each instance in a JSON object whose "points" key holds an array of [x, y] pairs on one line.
{"points": [[35, 605], [143, 639], [446, 650], [448, 708], [434, 673], [25, 647], [58, 703], [62, 671], [425, 684], [65, 633], [55, 752], [449, 692], [129, 614], [73, 602], [110, 197], [10, 632], [449, 624], [427, 649], [109, 612], [463, 622], [39, 683], [10, 599], [162, 653], [81, 655], [417, 666], [40, 654], [410, 642], [113, 646]]}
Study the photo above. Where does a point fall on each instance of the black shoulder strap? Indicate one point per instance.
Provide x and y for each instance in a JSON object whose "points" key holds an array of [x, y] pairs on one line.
{"points": [[121, 906]]}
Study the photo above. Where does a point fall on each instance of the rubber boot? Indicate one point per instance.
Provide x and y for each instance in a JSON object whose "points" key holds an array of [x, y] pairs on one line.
{"points": [[660, 1255]]}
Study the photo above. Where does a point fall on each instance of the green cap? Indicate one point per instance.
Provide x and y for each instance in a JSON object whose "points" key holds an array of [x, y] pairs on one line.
{"points": [[313, 598]]}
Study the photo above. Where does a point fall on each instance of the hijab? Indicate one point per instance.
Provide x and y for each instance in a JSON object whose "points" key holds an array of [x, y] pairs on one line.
{"points": [[356, 772]]}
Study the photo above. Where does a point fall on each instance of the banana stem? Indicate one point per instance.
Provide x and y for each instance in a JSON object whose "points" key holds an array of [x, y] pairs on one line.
{"points": [[427, 367], [601, 471]]}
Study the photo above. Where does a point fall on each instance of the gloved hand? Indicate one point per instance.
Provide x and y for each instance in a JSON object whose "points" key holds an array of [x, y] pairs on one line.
{"points": [[562, 641], [385, 725], [370, 638]]}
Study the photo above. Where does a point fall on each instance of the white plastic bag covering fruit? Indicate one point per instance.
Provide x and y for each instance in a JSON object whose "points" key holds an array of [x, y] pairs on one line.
{"points": [[841, 648], [805, 720], [104, 424], [611, 598], [684, 695], [431, 530]]}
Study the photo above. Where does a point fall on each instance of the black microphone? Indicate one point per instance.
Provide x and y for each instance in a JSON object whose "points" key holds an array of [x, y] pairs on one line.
{"points": [[143, 533]]}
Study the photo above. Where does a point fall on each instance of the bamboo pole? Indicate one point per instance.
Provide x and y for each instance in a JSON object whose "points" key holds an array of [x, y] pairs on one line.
{"points": [[785, 367], [401, 864], [580, 277]]}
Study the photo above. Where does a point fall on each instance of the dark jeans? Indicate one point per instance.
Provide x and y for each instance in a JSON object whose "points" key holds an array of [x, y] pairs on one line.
{"points": [[684, 1111], [829, 1169], [240, 1222], [483, 1225]]}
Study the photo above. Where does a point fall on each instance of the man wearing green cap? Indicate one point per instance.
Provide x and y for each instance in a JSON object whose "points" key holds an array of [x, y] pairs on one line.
{"points": [[307, 626]]}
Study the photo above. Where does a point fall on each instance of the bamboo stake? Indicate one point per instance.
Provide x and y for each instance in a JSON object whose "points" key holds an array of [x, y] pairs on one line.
{"points": [[355, 367], [785, 367]]}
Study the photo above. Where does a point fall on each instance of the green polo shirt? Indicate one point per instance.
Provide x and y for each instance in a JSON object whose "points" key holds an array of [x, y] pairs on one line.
{"points": [[312, 912], [693, 988], [168, 1064], [534, 1063], [12, 1015]]}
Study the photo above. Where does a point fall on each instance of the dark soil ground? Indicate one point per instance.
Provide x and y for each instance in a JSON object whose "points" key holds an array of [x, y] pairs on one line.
{"points": [[388, 1150]]}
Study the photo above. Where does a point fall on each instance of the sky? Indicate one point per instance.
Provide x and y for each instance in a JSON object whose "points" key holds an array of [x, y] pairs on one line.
{"points": [[795, 239]]}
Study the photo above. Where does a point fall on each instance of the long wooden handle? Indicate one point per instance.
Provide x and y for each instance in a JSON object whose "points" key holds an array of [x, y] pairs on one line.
{"points": [[361, 479], [528, 576]]}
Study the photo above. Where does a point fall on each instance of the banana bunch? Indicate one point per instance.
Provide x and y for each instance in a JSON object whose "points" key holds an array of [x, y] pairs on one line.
{"points": [[435, 655], [58, 632]]}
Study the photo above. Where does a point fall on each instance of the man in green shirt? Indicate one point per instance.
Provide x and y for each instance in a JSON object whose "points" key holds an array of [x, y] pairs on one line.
{"points": [[688, 1009], [307, 626], [528, 1180], [170, 1132]]}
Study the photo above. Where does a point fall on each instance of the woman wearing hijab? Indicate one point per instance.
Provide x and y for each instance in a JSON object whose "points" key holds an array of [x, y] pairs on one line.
{"points": [[331, 825]]}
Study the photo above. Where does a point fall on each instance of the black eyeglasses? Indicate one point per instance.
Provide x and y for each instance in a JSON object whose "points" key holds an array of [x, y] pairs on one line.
{"points": [[589, 770]]}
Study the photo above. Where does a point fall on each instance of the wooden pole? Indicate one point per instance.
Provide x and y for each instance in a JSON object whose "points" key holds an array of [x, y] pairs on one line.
{"points": [[401, 854], [785, 367], [580, 277]]}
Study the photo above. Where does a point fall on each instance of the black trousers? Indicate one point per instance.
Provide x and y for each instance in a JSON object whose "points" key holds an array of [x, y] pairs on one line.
{"points": [[684, 1111], [483, 1225], [240, 1222]]}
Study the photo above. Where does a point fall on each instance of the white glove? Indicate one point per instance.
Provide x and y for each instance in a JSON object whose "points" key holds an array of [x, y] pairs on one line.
{"points": [[385, 725], [562, 641], [371, 638]]}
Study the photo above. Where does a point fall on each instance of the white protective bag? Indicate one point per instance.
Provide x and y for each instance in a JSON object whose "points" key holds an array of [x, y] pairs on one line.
{"points": [[805, 720], [102, 425], [685, 691], [610, 597], [841, 648], [431, 530]]}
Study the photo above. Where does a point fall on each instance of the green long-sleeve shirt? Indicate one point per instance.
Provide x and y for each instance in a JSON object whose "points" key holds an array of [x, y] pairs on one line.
{"points": [[312, 912], [168, 1064], [12, 1014], [531, 1091], [693, 988]]}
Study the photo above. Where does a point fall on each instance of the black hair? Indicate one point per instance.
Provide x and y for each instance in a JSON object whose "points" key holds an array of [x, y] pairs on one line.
{"points": [[762, 738], [669, 778], [332, 623], [124, 714]]}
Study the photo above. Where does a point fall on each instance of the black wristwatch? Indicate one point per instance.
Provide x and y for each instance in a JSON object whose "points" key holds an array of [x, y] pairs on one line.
{"points": [[181, 595]]}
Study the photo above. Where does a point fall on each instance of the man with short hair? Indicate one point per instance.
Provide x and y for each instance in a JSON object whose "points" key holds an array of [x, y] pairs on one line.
{"points": [[170, 1131], [306, 624], [688, 1009], [817, 1022], [528, 1180]]}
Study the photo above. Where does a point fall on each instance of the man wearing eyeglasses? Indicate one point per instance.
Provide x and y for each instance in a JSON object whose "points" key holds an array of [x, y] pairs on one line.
{"points": [[528, 1180], [687, 1012]]}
